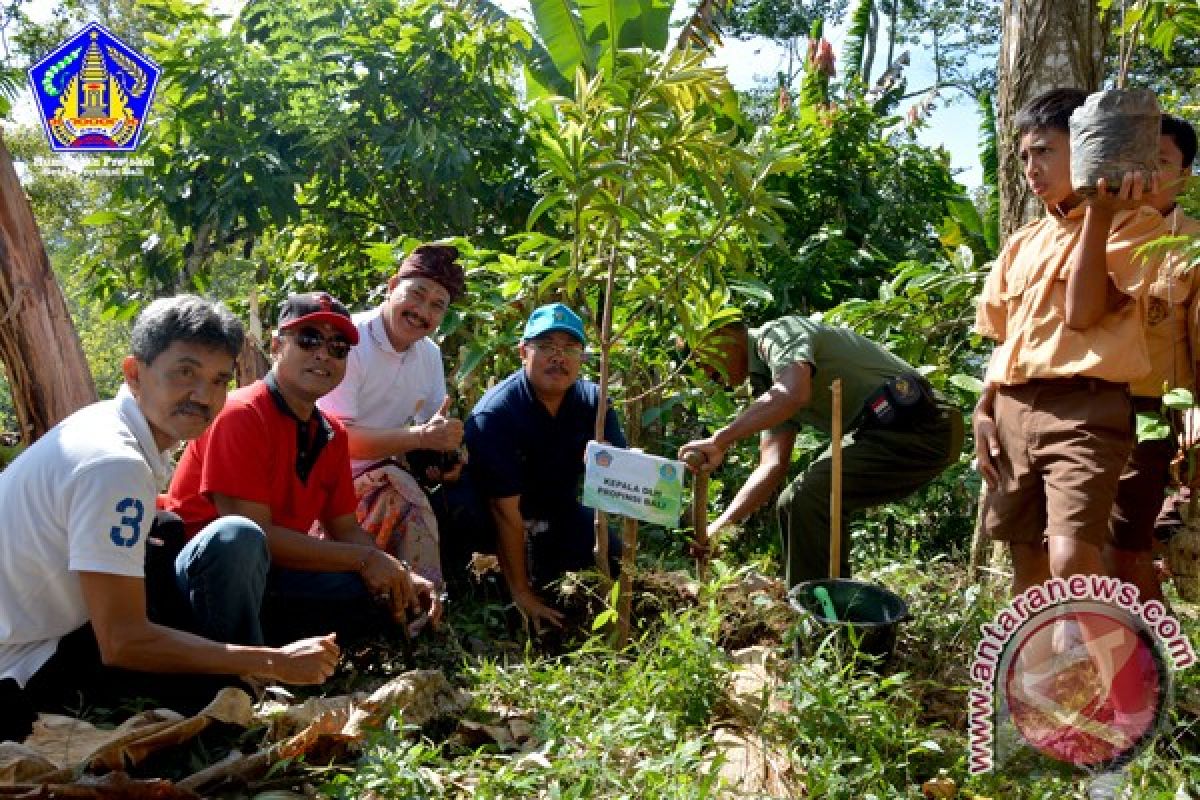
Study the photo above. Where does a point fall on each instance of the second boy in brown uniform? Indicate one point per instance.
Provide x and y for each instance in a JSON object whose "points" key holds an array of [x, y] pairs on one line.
{"points": [[1171, 327]]}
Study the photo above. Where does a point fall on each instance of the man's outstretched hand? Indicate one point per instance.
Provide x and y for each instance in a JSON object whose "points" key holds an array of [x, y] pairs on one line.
{"points": [[537, 612], [307, 661]]}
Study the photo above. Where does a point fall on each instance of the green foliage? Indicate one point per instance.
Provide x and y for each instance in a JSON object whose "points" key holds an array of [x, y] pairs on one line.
{"points": [[1151, 425], [590, 34], [8, 414], [61, 201], [1162, 24], [861, 202], [856, 38], [814, 90], [781, 20], [289, 144], [924, 315], [1157, 45], [609, 726], [961, 37], [640, 723], [989, 159], [649, 197]]}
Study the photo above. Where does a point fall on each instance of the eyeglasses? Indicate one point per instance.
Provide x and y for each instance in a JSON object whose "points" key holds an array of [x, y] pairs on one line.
{"points": [[571, 352], [311, 339]]}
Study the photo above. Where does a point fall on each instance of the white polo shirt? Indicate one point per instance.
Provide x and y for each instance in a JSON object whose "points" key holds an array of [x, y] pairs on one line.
{"points": [[384, 388], [80, 499]]}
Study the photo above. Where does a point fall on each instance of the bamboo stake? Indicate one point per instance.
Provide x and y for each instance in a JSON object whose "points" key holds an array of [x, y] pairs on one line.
{"points": [[835, 493], [699, 513], [629, 545]]}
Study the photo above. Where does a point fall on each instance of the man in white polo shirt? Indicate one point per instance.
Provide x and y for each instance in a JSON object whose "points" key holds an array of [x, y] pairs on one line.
{"points": [[394, 405], [78, 509]]}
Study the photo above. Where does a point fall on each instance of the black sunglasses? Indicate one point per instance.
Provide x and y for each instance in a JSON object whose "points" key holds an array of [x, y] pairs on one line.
{"points": [[311, 339]]}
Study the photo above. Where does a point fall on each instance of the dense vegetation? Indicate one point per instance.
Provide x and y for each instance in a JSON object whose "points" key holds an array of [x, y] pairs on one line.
{"points": [[311, 144]]}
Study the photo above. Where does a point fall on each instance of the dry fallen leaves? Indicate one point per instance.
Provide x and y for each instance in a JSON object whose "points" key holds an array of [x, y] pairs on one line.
{"points": [[940, 788], [70, 745], [63, 747], [750, 768], [509, 729], [752, 685], [419, 696]]}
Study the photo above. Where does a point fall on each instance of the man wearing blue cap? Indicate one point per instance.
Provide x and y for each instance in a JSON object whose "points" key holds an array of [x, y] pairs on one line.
{"points": [[526, 438]]}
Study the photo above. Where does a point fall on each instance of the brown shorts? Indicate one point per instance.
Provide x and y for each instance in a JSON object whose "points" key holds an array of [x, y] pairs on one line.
{"points": [[1143, 487], [1063, 445]]}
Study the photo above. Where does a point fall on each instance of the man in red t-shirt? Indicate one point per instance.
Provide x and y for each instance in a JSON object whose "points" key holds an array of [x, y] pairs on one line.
{"points": [[269, 467]]}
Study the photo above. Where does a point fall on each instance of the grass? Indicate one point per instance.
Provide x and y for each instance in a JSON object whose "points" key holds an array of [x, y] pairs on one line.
{"points": [[574, 719], [632, 726], [641, 724]]}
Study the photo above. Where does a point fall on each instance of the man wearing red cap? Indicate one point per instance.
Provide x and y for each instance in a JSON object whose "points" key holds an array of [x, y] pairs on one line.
{"points": [[394, 405], [272, 467]]}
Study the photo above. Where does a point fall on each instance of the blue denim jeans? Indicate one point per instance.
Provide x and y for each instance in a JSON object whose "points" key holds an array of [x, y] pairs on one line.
{"points": [[225, 575], [222, 574]]}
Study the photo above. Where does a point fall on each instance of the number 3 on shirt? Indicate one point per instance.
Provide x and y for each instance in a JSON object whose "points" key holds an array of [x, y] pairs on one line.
{"points": [[132, 512]]}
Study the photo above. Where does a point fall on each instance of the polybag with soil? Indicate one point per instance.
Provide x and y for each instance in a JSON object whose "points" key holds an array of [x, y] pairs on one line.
{"points": [[1112, 133]]}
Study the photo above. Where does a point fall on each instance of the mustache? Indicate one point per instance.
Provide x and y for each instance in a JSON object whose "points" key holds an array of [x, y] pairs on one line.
{"points": [[198, 409], [413, 316], [555, 368]]}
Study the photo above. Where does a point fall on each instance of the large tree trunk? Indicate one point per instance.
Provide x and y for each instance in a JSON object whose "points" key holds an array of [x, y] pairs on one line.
{"points": [[47, 371], [1045, 44]]}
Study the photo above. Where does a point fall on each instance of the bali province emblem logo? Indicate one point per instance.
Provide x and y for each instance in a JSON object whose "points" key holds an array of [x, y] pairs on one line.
{"points": [[94, 92]]}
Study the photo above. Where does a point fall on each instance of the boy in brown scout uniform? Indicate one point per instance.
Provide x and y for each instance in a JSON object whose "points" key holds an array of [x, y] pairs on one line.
{"points": [[1171, 328], [1065, 302]]}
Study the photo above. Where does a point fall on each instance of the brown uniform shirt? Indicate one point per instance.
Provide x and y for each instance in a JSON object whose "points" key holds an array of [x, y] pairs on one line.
{"points": [[1172, 319], [1023, 304]]}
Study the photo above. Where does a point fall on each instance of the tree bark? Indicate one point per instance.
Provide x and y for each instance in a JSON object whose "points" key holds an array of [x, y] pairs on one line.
{"points": [[252, 363], [39, 346], [1045, 44]]}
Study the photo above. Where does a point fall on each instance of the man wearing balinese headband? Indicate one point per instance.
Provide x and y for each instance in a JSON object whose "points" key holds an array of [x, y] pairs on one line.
{"points": [[394, 405]]}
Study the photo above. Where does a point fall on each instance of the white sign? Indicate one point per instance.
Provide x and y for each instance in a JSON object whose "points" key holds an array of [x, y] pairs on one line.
{"points": [[633, 484]]}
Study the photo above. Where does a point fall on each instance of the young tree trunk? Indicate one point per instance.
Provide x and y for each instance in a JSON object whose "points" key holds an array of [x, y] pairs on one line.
{"points": [[47, 371], [1045, 44]]}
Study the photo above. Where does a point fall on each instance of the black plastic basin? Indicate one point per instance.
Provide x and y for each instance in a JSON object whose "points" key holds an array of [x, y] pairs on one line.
{"points": [[867, 614]]}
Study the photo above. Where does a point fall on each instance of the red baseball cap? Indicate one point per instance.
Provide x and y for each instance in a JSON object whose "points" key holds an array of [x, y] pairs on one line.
{"points": [[314, 308]]}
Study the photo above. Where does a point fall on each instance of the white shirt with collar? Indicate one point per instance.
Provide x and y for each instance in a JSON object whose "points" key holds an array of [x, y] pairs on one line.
{"points": [[80, 499], [384, 388]]}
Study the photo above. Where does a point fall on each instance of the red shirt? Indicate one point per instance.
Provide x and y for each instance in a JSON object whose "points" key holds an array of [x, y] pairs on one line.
{"points": [[250, 452]]}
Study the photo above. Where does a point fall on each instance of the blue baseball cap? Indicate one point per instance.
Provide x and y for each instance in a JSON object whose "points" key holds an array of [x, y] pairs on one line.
{"points": [[554, 317]]}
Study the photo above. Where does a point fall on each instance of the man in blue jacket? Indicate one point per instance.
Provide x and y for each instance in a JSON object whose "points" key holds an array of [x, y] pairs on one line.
{"points": [[526, 439]]}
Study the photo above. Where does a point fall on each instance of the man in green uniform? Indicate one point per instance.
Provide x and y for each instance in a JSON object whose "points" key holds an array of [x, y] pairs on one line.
{"points": [[899, 434]]}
